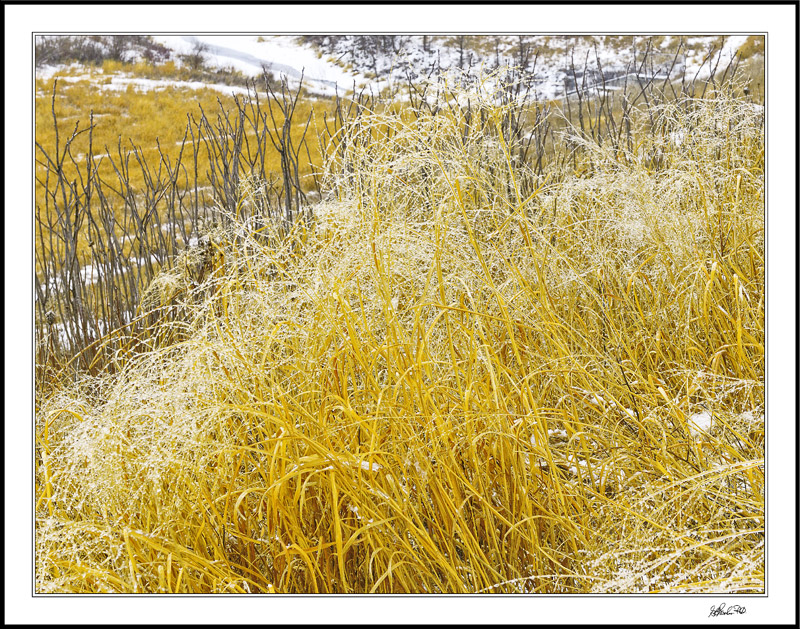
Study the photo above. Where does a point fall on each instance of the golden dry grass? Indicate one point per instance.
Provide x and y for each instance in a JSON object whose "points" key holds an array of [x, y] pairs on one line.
{"points": [[441, 386]]}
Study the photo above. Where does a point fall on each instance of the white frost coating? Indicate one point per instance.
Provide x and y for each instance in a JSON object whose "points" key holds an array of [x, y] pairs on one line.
{"points": [[677, 137]]}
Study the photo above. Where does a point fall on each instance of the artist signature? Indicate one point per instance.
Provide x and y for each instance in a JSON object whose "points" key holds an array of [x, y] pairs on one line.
{"points": [[721, 610]]}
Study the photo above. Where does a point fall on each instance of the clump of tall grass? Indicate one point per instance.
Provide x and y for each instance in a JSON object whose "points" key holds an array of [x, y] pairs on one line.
{"points": [[440, 384]]}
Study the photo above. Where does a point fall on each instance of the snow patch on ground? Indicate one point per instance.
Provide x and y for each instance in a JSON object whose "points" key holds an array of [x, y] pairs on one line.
{"points": [[283, 55], [700, 65], [122, 82], [700, 423], [48, 71]]}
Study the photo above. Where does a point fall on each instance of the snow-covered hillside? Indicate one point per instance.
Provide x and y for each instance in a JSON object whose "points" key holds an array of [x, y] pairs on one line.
{"points": [[328, 62], [282, 55]]}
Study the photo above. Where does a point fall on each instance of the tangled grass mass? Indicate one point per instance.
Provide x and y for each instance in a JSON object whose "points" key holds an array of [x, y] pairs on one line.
{"points": [[457, 376]]}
